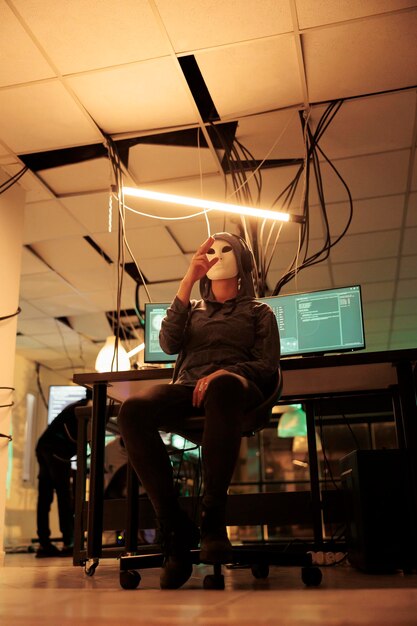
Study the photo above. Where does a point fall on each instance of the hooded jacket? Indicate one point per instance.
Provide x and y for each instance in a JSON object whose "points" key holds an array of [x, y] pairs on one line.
{"points": [[239, 335]]}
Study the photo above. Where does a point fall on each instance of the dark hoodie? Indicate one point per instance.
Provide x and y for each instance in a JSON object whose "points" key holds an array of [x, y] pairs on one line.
{"points": [[239, 335]]}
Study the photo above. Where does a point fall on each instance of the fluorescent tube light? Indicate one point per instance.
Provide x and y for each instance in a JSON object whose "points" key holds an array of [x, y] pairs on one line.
{"points": [[211, 204]]}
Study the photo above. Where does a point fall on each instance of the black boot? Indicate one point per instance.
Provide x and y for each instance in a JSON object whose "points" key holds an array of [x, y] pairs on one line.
{"points": [[215, 545], [179, 535]]}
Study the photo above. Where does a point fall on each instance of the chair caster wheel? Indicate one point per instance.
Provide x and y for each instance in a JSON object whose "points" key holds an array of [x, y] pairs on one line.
{"points": [[213, 581], [90, 567], [311, 576], [130, 579], [261, 570]]}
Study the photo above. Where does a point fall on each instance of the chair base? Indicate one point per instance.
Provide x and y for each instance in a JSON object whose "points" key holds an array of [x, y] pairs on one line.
{"points": [[257, 559]]}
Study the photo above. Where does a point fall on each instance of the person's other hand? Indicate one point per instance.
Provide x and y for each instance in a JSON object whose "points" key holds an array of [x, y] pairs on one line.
{"points": [[202, 385]]}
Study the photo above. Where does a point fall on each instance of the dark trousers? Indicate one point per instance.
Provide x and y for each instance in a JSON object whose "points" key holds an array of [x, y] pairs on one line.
{"points": [[54, 475], [167, 407]]}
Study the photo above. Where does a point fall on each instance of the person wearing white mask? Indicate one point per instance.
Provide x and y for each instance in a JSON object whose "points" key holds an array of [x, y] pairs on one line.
{"points": [[228, 354]]}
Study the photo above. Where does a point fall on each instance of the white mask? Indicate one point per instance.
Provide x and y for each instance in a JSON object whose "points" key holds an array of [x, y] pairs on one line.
{"points": [[226, 266]]}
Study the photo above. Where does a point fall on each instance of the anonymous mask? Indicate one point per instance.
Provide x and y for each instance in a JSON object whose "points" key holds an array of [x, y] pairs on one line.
{"points": [[226, 266]]}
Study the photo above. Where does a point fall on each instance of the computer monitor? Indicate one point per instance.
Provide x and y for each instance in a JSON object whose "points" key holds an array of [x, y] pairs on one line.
{"points": [[61, 396], [319, 322], [154, 314], [315, 322]]}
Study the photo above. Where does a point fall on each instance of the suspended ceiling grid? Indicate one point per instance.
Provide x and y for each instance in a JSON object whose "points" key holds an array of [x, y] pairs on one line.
{"points": [[71, 73]]}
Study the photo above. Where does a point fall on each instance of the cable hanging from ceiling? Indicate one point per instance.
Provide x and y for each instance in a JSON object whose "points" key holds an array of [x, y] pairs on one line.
{"points": [[312, 168], [13, 180], [122, 242]]}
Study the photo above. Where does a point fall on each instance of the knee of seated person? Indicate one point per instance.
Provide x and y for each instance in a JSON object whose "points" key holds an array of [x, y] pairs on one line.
{"points": [[226, 385], [131, 411]]}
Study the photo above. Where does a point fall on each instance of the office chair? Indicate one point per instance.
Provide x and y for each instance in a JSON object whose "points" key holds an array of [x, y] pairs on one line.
{"points": [[258, 560]]}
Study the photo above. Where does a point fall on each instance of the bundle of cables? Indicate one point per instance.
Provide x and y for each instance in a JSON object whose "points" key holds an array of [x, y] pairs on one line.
{"points": [[311, 165]]}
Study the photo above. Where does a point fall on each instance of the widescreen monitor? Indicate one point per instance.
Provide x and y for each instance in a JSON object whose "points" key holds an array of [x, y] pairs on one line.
{"points": [[319, 322], [61, 396], [315, 322]]}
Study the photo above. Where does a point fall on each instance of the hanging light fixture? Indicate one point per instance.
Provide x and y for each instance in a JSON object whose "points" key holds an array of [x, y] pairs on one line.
{"points": [[108, 361], [199, 203]]}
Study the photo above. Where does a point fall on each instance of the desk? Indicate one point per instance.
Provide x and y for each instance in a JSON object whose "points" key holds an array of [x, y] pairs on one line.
{"points": [[305, 379]]}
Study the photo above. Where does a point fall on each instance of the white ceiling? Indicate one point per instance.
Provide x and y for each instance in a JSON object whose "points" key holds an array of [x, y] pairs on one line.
{"points": [[73, 72]]}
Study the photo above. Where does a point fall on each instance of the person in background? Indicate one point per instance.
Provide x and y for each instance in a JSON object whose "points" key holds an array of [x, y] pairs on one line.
{"points": [[229, 350], [56, 446]]}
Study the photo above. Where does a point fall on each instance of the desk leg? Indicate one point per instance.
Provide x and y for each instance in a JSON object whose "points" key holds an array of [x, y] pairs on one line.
{"points": [[80, 489], [316, 505], [95, 501], [408, 402], [132, 510]]}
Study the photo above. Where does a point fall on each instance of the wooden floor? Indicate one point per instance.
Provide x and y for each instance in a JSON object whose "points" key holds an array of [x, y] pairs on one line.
{"points": [[53, 592]]}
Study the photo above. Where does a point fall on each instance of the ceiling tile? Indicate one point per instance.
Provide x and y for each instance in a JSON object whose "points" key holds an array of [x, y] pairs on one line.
{"points": [[309, 279], [42, 326], [189, 27], [48, 220], [276, 135], [378, 309], [405, 322], [29, 311], [88, 278], [164, 292], [369, 215], [39, 354], [410, 241], [190, 235], [320, 12], [369, 272], [414, 174], [69, 254], [369, 125], [65, 342], [43, 116], [107, 300], [92, 175], [412, 210], [365, 176], [165, 268], [407, 288], [376, 341], [373, 292], [80, 35], [33, 286], [345, 60], [361, 247], [408, 265], [408, 337], [31, 264], [94, 325], [136, 97], [153, 163], [16, 48], [377, 325], [406, 306], [145, 243], [66, 304], [23, 342], [272, 61], [90, 209]]}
